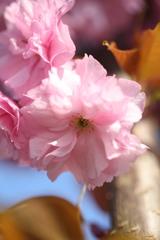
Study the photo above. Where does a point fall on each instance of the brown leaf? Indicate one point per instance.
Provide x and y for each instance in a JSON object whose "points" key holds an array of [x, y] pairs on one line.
{"points": [[126, 59], [143, 61], [149, 60], [9, 230], [48, 218]]}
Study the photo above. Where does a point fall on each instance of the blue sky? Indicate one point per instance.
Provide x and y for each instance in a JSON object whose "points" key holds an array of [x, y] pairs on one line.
{"points": [[19, 183]]}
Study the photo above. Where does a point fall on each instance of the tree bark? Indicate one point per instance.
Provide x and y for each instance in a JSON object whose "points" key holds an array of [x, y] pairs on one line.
{"points": [[136, 198]]}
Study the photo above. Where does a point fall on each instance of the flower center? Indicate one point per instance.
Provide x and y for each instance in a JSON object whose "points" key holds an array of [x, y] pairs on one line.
{"points": [[80, 123]]}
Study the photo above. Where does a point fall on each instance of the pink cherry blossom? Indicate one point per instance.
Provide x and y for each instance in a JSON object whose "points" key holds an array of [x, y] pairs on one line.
{"points": [[35, 40], [9, 124], [13, 143], [81, 121]]}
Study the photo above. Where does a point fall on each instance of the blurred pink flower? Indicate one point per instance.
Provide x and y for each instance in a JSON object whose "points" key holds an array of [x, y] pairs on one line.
{"points": [[99, 20], [80, 121], [9, 124], [35, 40], [11, 138]]}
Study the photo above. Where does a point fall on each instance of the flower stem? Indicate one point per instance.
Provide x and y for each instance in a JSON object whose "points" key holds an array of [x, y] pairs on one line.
{"points": [[81, 195]]}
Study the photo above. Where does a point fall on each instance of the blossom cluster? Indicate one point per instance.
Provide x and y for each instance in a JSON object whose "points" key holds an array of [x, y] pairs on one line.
{"points": [[63, 114]]}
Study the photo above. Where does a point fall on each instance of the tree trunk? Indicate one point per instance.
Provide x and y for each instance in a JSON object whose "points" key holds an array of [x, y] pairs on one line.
{"points": [[136, 198]]}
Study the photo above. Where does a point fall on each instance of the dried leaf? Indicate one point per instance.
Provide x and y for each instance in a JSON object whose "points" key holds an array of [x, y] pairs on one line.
{"points": [[9, 229], [126, 59], [149, 61], [142, 62], [48, 218]]}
